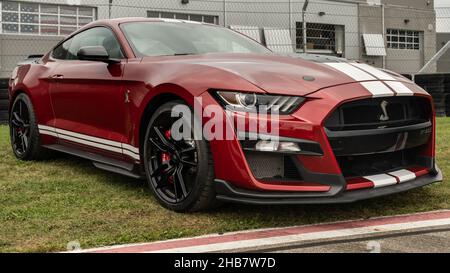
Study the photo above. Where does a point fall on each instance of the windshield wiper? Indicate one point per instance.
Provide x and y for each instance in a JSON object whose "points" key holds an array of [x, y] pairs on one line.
{"points": [[183, 54]]}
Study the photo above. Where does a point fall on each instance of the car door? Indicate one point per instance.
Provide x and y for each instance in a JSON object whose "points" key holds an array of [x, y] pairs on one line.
{"points": [[88, 97]]}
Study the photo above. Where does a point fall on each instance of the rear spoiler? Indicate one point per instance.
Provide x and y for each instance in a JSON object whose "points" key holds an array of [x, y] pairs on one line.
{"points": [[31, 59]]}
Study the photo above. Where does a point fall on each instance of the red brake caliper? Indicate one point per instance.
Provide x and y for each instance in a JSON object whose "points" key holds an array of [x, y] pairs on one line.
{"points": [[165, 157]]}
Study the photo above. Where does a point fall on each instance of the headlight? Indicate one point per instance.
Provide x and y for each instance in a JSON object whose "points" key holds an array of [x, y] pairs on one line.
{"points": [[251, 102]]}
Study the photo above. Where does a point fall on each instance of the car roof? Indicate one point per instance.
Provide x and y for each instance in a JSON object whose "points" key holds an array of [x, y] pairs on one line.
{"points": [[118, 21]]}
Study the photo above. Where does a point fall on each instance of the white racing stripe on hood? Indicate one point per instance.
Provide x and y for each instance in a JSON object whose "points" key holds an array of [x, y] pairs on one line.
{"points": [[378, 89], [400, 89], [381, 75], [364, 72], [351, 71]]}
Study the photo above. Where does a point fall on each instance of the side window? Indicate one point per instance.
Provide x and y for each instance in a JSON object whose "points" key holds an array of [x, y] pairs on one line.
{"points": [[60, 52], [98, 36]]}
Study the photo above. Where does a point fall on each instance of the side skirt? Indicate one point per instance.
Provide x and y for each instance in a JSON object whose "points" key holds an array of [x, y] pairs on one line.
{"points": [[102, 162]]}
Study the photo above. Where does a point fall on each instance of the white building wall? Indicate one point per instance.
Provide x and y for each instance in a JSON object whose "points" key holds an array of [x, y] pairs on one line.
{"points": [[261, 13]]}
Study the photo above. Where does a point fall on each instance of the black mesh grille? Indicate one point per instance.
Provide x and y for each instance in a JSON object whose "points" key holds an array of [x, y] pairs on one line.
{"points": [[272, 167], [364, 165], [379, 135], [380, 113]]}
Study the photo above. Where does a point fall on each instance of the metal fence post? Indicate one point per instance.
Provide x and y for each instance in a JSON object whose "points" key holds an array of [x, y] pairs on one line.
{"points": [[224, 13], [305, 7], [110, 8], [383, 29]]}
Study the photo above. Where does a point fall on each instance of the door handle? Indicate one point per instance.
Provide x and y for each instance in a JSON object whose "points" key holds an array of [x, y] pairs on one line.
{"points": [[57, 77]]}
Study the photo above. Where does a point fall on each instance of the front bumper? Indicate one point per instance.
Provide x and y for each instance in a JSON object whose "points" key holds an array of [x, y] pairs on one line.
{"points": [[226, 192], [338, 173]]}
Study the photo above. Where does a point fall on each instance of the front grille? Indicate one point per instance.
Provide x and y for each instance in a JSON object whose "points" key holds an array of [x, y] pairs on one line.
{"points": [[365, 165], [379, 135], [380, 113]]}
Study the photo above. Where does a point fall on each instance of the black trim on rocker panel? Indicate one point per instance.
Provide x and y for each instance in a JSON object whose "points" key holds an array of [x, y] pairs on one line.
{"points": [[102, 162]]}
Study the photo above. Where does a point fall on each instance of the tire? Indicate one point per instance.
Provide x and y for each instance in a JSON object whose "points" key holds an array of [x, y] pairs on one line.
{"points": [[163, 178], [30, 147]]}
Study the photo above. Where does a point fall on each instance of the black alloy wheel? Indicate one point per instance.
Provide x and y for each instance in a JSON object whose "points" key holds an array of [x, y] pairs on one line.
{"points": [[24, 132], [20, 127], [179, 172]]}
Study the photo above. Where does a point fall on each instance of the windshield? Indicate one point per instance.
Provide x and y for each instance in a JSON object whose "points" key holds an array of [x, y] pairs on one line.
{"points": [[167, 39]]}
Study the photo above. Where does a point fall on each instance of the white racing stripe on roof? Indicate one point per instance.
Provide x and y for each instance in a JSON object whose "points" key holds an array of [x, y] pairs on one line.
{"points": [[378, 89], [404, 175], [351, 71], [400, 89], [382, 180], [381, 75]]}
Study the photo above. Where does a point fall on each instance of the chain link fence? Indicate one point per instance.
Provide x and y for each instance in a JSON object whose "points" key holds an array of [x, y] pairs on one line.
{"points": [[402, 39]]}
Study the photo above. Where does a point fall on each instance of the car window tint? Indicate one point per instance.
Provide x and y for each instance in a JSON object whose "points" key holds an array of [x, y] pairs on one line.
{"points": [[60, 52], [98, 36], [158, 39]]}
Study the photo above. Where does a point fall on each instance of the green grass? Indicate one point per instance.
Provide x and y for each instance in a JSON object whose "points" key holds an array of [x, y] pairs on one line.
{"points": [[45, 205]]}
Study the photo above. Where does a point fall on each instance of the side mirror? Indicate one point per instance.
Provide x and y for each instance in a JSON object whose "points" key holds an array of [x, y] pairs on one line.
{"points": [[96, 54]]}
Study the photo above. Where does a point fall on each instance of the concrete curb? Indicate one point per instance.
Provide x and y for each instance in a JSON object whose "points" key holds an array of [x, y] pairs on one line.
{"points": [[259, 240]]}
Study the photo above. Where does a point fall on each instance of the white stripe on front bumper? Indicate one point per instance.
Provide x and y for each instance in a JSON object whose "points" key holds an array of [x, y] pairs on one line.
{"points": [[404, 175], [382, 180]]}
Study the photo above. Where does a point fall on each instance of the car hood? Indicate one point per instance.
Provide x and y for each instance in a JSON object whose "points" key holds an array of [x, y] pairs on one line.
{"points": [[271, 73]]}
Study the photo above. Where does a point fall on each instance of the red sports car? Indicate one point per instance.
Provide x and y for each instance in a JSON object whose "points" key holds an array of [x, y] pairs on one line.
{"points": [[345, 131]]}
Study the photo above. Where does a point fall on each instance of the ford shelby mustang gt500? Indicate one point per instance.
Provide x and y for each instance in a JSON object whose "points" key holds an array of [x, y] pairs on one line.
{"points": [[346, 131]]}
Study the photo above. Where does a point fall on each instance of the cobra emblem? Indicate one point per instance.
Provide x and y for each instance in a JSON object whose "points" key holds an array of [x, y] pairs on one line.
{"points": [[384, 116]]}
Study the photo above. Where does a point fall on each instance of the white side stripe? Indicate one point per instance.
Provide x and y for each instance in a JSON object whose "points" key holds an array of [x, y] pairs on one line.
{"points": [[382, 180], [90, 138], [43, 127], [381, 75], [130, 148], [92, 144], [48, 133], [378, 89], [100, 143], [132, 155], [351, 71], [400, 89], [404, 175]]}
